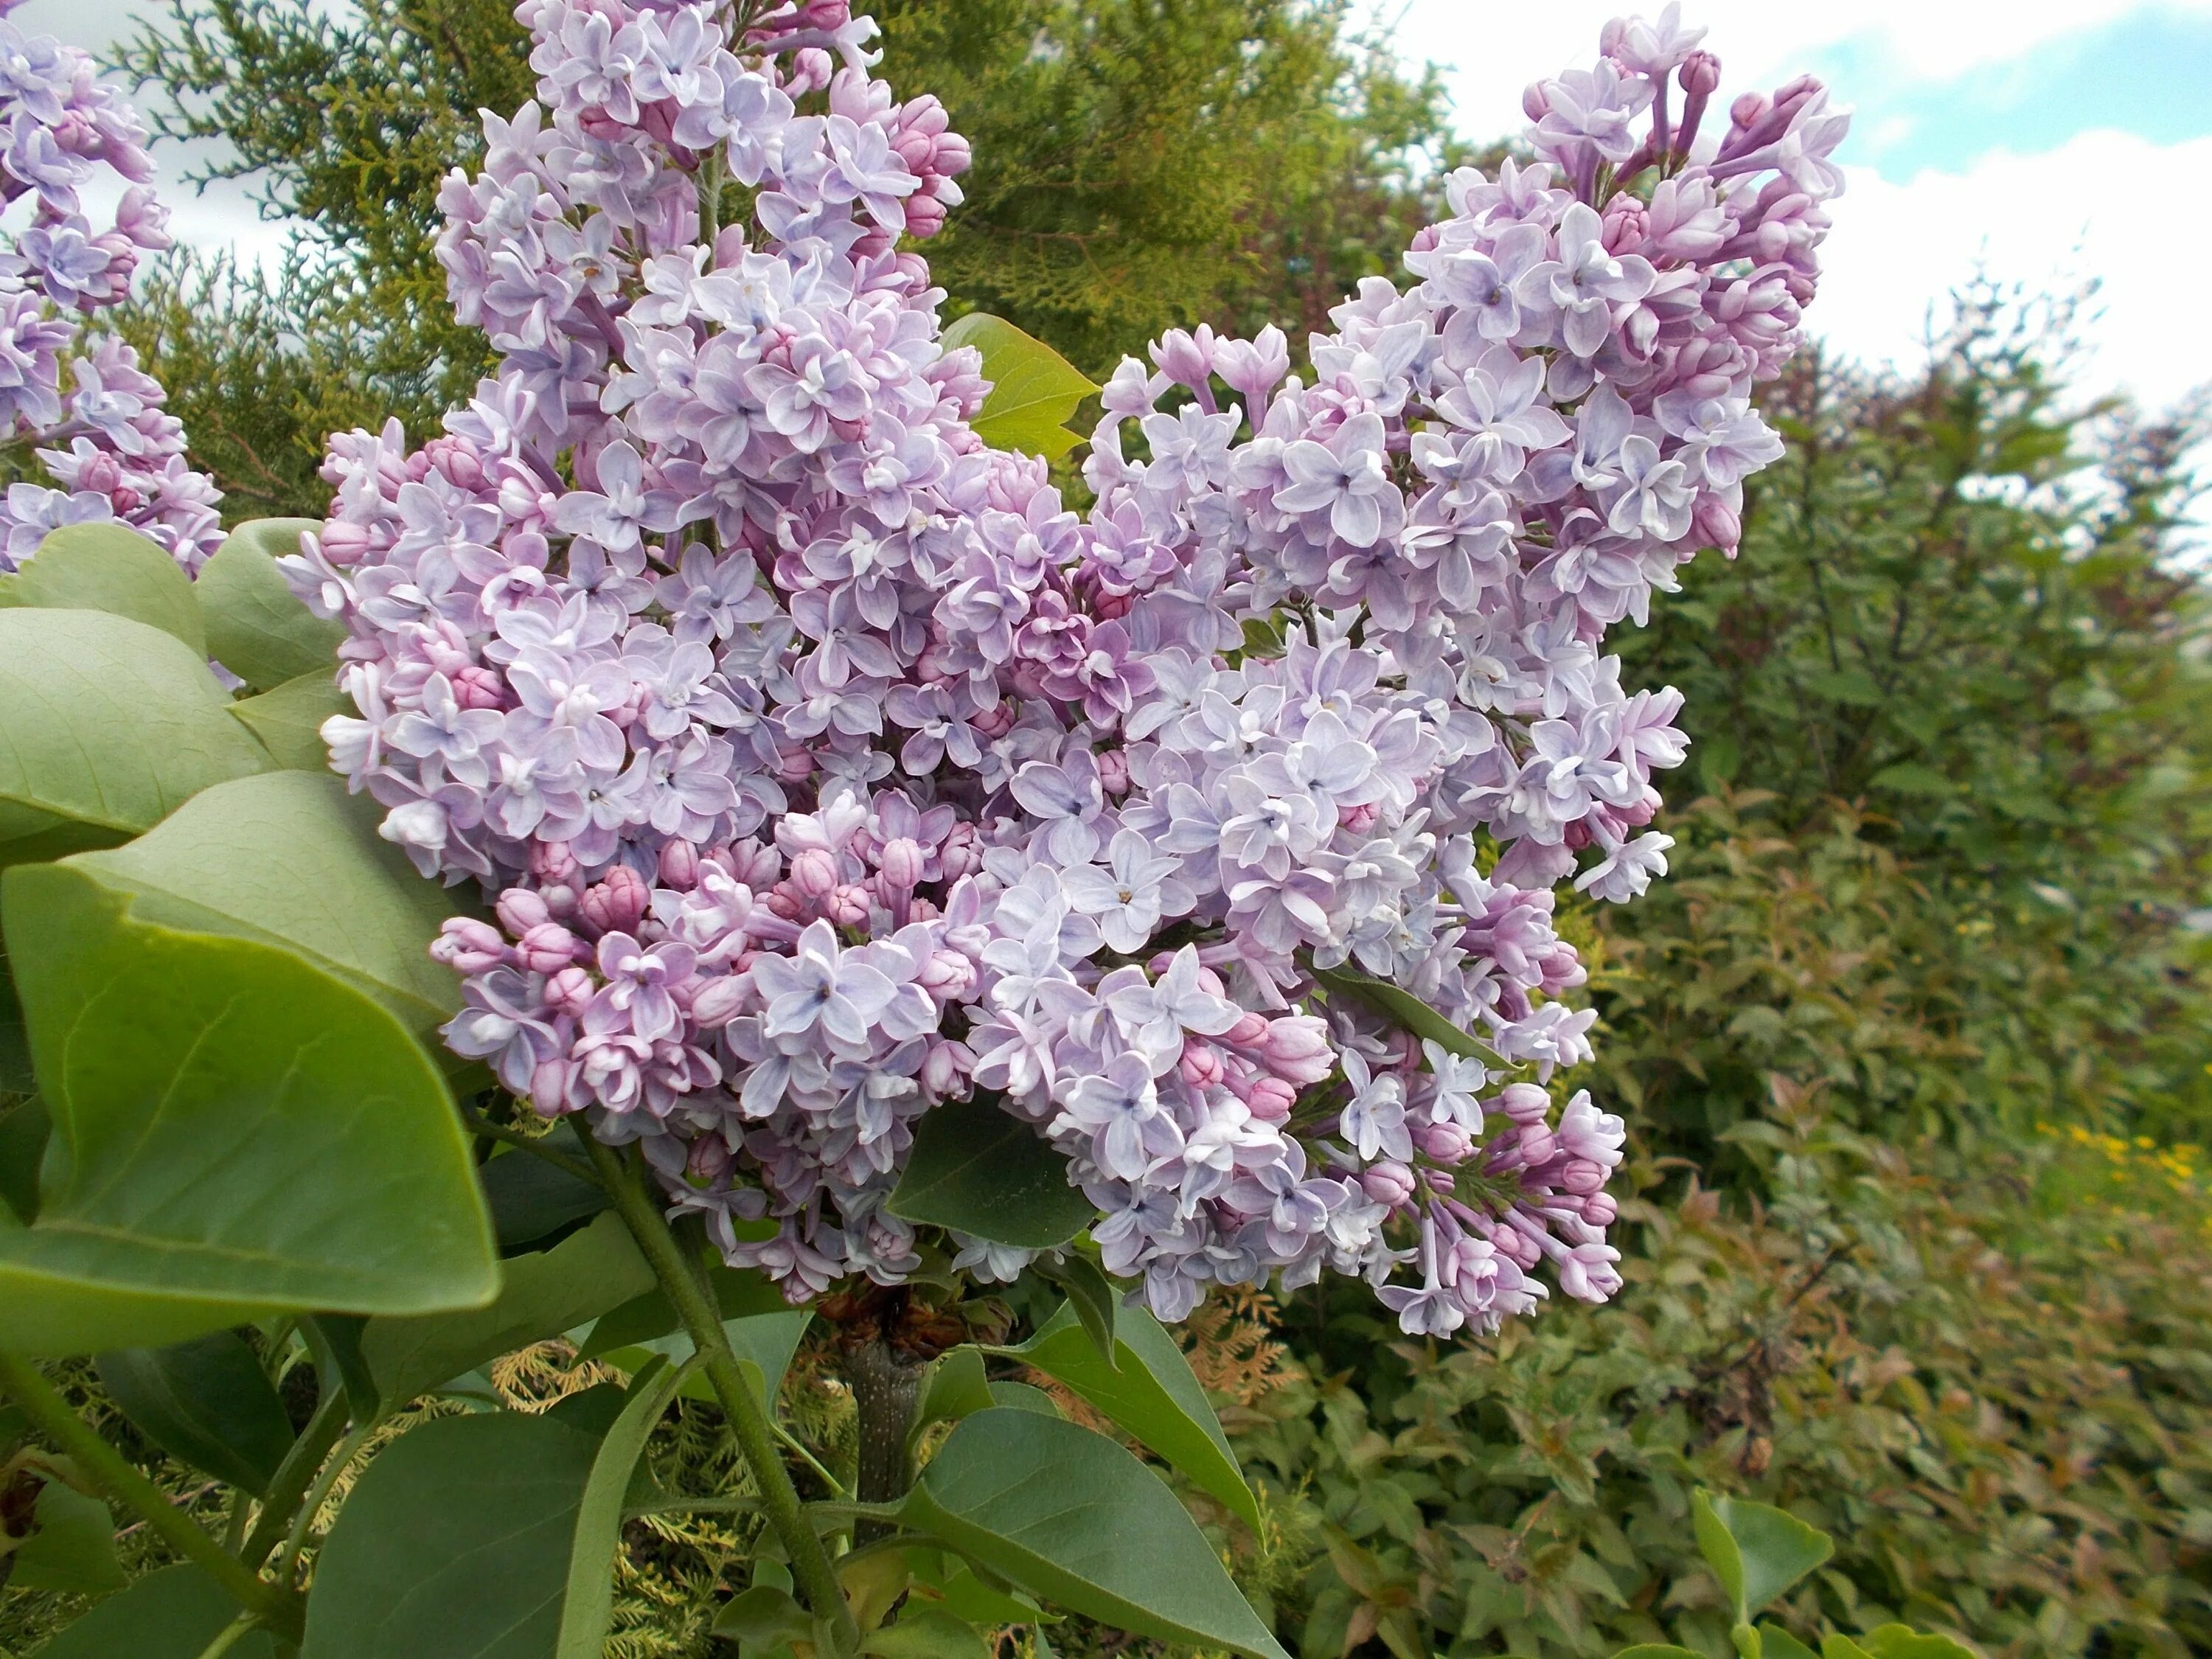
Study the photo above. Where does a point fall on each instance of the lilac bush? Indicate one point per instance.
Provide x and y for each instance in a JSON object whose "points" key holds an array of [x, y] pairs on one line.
{"points": [[72, 394], [824, 765]]}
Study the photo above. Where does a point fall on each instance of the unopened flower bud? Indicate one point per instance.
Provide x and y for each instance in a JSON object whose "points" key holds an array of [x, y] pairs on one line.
{"points": [[1249, 1031], [567, 991], [814, 872], [616, 904], [1601, 1209], [1390, 1183], [679, 865], [1582, 1177], [1114, 771], [1298, 1049], [547, 948], [1524, 1103], [469, 946], [901, 862], [520, 910], [1270, 1099], [551, 861], [946, 1065], [719, 1001], [1201, 1066], [553, 1087], [710, 1159], [1445, 1142]]}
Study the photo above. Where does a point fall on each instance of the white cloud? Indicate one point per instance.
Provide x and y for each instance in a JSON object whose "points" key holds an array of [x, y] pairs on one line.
{"points": [[1494, 49], [2047, 220]]}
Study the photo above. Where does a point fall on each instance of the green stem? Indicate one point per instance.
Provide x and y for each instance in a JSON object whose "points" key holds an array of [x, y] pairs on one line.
{"points": [[476, 1123], [749, 1420], [122, 1482], [229, 1636], [799, 1450], [292, 1475], [288, 1558]]}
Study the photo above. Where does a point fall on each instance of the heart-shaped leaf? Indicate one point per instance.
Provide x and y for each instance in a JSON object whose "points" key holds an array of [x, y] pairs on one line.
{"points": [[107, 727], [1755, 1550], [235, 1132], [255, 626], [105, 566], [207, 1401], [984, 1172], [1077, 1519], [1151, 1395]]}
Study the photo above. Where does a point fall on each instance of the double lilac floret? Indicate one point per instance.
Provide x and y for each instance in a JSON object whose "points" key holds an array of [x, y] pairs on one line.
{"points": [[824, 767]]}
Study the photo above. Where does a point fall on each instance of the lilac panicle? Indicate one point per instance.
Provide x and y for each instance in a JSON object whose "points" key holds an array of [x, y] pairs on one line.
{"points": [[824, 766], [75, 395]]}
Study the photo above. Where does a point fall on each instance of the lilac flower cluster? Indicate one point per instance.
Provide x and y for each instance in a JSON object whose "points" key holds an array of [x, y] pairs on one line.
{"points": [[824, 766], [104, 438]]}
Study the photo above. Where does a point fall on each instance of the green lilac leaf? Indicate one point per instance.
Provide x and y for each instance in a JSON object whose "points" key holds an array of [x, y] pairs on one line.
{"points": [[536, 1202], [1034, 390], [173, 1613], [1075, 1518], [256, 626], [455, 1544], [25, 1128], [1152, 1397], [926, 1633], [1776, 1643], [71, 1546], [1903, 1642], [765, 1343], [982, 1171], [1755, 1550], [1094, 1298], [107, 727], [105, 566], [738, 1292], [588, 1608], [957, 1387], [544, 1294], [291, 859], [206, 1401], [236, 1133], [1396, 1004], [286, 720]]}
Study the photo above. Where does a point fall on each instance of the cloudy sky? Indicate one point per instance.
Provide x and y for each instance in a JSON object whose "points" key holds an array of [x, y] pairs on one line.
{"points": [[2053, 142]]}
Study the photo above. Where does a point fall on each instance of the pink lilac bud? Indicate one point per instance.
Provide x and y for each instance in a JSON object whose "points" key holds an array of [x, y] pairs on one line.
{"points": [[1446, 1142], [548, 948], [567, 991], [1389, 1183], [1270, 1099], [720, 1001], [1114, 772], [945, 1066], [814, 873], [1582, 1177], [901, 862], [1601, 1209], [615, 905], [679, 865], [1201, 1066], [554, 861], [469, 946], [1249, 1031], [1524, 1103], [1298, 1049], [520, 910], [847, 905], [710, 1159]]}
